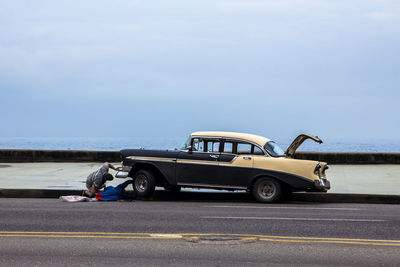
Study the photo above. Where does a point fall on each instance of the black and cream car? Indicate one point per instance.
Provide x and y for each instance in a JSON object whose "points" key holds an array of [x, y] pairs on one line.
{"points": [[228, 161]]}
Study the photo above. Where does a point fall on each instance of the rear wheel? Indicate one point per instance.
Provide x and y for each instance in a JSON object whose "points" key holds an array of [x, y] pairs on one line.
{"points": [[144, 183], [267, 190]]}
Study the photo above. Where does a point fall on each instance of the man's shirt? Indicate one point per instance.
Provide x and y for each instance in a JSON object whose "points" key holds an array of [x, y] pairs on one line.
{"points": [[96, 179]]}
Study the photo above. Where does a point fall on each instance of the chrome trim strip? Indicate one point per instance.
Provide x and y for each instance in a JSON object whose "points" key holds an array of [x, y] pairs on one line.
{"points": [[194, 161], [229, 162], [187, 161], [152, 158], [211, 185]]}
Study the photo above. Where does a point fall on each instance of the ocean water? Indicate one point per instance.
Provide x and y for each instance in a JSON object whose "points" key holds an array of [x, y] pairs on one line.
{"points": [[113, 144]]}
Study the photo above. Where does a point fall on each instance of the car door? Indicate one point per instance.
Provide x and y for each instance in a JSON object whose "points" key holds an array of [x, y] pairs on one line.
{"points": [[199, 165], [236, 163]]}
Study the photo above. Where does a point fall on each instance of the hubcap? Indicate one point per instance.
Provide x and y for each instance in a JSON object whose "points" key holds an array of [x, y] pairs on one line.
{"points": [[141, 183], [266, 189]]}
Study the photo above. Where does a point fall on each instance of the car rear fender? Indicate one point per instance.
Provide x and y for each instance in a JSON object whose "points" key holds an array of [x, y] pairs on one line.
{"points": [[254, 180], [288, 180]]}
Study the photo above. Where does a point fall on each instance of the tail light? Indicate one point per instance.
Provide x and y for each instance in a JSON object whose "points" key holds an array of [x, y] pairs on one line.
{"points": [[316, 170], [325, 168]]}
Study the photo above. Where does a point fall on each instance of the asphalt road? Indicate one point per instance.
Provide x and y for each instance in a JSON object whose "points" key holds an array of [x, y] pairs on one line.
{"points": [[217, 233]]}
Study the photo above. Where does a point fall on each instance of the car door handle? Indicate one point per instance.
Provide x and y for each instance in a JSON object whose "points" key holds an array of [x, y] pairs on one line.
{"points": [[247, 158], [214, 156]]}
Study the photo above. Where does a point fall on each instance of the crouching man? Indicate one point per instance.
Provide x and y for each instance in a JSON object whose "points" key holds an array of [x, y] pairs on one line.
{"points": [[97, 179]]}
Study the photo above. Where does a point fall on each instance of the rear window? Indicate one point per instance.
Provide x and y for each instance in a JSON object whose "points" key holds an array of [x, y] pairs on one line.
{"points": [[258, 151], [243, 148], [273, 149]]}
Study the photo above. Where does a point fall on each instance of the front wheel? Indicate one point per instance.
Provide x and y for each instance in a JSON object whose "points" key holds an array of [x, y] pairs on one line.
{"points": [[144, 183], [267, 190]]}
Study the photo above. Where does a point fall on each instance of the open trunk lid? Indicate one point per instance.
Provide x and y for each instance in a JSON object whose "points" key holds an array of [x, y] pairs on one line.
{"points": [[291, 150]]}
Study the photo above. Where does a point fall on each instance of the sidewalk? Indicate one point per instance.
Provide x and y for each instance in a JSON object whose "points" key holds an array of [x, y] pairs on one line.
{"points": [[345, 179], [49, 175]]}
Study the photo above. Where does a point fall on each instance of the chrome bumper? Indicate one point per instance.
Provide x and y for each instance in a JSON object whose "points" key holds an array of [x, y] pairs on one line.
{"points": [[322, 184], [121, 174]]}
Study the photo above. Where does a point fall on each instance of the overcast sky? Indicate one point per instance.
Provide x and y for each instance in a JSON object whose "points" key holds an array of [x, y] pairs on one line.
{"points": [[166, 68]]}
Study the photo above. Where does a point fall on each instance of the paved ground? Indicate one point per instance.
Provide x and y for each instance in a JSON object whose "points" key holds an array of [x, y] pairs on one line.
{"points": [[28, 251], [359, 179], [37, 232]]}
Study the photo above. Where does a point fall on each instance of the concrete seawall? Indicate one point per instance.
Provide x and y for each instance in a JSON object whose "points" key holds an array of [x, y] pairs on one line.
{"points": [[24, 155], [27, 155], [351, 157]]}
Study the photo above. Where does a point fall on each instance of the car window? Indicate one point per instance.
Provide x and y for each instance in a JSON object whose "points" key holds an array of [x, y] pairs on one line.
{"points": [[198, 144], [243, 148], [228, 147], [273, 149], [212, 146], [186, 144], [258, 151]]}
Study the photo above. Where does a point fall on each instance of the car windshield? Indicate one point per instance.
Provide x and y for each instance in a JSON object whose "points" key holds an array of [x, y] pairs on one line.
{"points": [[186, 144], [273, 149]]}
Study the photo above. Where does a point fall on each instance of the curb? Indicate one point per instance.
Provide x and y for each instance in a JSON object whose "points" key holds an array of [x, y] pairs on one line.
{"points": [[36, 193], [346, 198], [161, 195]]}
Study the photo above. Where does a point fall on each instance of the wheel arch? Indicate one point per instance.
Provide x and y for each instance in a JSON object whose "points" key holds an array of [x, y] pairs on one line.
{"points": [[260, 176], [160, 177]]}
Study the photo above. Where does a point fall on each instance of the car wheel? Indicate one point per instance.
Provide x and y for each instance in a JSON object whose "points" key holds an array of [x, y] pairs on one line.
{"points": [[144, 183], [267, 190]]}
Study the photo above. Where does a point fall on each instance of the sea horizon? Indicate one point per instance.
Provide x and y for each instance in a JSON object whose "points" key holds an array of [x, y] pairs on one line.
{"points": [[114, 144]]}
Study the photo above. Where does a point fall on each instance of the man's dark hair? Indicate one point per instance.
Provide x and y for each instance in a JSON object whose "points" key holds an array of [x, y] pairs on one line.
{"points": [[108, 177]]}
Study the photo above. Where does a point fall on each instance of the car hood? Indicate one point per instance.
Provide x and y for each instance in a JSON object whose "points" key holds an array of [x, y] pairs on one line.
{"points": [[291, 150]]}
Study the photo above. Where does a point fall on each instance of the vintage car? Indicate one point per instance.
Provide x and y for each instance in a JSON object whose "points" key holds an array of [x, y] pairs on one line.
{"points": [[228, 161]]}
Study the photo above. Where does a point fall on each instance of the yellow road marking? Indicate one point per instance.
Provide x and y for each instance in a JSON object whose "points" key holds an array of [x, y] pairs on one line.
{"points": [[92, 236], [289, 239], [103, 234]]}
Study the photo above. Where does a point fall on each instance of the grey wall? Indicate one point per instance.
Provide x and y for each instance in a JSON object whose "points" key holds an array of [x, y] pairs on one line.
{"points": [[17, 155], [352, 157]]}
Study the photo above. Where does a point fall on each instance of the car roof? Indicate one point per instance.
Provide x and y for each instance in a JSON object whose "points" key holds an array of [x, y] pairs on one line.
{"points": [[260, 140]]}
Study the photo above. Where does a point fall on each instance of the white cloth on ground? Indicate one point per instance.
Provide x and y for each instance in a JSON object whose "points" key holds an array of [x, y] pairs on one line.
{"points": [[77, 199]]}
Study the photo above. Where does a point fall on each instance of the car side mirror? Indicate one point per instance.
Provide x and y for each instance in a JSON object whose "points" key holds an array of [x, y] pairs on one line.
{"points": [[190, 148]]}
